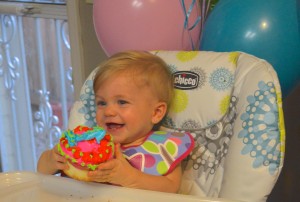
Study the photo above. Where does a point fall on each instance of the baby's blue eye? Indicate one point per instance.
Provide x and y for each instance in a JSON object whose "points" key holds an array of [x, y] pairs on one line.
{"points": [[101, 103], [122, 102]]}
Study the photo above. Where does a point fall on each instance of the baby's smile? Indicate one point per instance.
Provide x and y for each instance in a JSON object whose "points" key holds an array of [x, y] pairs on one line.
{"points": [[112, 126]]}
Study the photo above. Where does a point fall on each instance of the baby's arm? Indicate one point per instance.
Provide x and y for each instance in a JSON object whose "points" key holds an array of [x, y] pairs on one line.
{"points": [[50, 162], [119, 171], [169, 183]]}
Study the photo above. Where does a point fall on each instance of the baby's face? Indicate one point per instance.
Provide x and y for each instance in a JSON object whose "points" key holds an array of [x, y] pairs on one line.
{"points": [[125, 110]]}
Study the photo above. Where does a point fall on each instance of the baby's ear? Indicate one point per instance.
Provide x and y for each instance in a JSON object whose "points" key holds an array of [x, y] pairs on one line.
{"points": [[159, 112]]}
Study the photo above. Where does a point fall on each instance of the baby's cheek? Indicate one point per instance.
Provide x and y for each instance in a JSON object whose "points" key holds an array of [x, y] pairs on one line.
{"points": [[99, 120]]}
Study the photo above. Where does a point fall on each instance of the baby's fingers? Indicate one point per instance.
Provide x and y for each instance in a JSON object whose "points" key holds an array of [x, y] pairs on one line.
{"points": [[60, 158], [60, 161], [99, 175], [61, 166], [108, 165]]}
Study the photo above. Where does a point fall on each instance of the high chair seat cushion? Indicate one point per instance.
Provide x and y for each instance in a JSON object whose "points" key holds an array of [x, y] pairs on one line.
{"points": [[230, 102], [235, 115], [203, 83]]}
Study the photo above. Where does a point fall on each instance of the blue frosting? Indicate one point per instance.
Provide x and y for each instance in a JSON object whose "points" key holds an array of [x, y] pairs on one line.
{"points": [[98, 133]]}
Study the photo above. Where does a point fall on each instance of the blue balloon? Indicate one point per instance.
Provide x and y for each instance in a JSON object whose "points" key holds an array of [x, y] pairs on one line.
{"points": [[268, 29]]}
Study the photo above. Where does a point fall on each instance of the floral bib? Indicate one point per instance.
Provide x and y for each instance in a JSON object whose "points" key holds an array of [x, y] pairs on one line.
{"points": [[160, 153]]}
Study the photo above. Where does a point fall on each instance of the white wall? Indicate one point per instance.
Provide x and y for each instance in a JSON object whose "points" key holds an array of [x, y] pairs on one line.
{"points": [[85, 49]]}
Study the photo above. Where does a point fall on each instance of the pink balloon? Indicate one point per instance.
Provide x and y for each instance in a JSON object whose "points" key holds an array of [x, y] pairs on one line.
{"points": [[145, 25]]}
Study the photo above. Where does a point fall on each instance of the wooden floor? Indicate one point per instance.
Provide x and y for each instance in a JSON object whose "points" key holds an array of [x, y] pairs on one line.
{"points": [[287, 187]]}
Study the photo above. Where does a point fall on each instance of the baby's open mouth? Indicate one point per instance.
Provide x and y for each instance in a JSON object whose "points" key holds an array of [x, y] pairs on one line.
{"points": [[114, 125]]}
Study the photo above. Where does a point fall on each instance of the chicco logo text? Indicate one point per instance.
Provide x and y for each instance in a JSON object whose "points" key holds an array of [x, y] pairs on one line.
{"points": [[185, 80]]}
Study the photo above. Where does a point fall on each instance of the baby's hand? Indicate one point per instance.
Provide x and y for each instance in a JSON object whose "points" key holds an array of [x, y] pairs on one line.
{"points": [[59, 161], [115, 171], [51, 162]]}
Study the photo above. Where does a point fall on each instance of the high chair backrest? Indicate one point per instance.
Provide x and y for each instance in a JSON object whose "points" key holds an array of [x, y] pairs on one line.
{"points": [[231, 103]]}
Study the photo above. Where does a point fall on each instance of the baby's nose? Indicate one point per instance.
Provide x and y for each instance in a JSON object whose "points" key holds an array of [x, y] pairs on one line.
{"points": [[109, 110]]}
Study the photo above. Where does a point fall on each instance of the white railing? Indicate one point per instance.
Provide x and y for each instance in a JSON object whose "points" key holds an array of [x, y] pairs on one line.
{"points": [[36, 88]]}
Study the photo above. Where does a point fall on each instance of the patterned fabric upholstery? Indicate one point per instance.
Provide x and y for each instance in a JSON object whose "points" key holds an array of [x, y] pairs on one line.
{"points": [[231, 104]]}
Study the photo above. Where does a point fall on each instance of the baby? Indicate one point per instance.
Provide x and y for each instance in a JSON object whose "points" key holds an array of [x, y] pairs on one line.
{"points": [[133, 91]]}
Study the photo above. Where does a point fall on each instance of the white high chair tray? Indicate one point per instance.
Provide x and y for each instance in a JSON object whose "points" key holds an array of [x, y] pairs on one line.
{"points": [[29, 186]]}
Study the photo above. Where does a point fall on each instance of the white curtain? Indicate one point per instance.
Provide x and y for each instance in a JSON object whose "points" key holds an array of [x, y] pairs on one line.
{"points": [[36, 89]]}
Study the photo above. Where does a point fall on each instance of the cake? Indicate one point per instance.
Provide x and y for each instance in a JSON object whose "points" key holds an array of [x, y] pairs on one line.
{"points": [[85, 148]]}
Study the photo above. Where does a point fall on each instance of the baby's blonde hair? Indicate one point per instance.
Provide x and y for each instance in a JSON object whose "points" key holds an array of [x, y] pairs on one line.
{"points": [[145, 68]]}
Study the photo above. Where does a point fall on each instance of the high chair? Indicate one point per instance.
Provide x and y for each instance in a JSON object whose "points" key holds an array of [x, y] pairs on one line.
{"points": [[231, 104]]}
